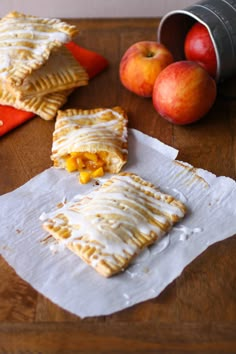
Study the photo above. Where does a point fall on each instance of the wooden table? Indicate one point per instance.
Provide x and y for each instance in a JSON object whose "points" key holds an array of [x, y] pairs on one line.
{"points": [[194, 314]]}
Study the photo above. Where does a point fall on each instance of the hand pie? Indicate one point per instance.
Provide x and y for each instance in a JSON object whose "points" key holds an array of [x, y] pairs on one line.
{"points": [[90, 141], [45, 107], [26, 43], [61, 72], [111, 225]]}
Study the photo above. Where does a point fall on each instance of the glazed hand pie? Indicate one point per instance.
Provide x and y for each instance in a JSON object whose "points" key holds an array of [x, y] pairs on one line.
{"points": [[37, 71], [26, 43], [90, 141], [110, 226]]}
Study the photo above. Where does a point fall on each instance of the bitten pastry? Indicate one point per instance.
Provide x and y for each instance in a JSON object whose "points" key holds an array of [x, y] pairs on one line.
{"points": [[26, 43], [111, 225], [90, 141]]}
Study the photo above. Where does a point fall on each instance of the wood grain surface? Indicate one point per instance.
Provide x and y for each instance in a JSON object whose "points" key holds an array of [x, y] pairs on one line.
{"points": [[194, 314]]}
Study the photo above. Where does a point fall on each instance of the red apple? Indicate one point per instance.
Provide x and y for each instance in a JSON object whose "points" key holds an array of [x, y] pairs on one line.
{"points": [[141, 64], [184, 92], [198, 46]]}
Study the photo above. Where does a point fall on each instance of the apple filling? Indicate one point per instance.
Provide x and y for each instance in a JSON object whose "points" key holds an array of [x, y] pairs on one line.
{"points": [[90, 165]]}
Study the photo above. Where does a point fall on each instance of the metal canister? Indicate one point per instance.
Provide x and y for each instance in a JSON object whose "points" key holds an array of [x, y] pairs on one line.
{"points": [[219, 16]]}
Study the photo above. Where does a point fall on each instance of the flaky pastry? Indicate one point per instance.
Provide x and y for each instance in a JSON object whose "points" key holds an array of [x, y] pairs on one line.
{"points": [[110, 226], [45, 107], [90, 140], [26, 43], [61, 72]]}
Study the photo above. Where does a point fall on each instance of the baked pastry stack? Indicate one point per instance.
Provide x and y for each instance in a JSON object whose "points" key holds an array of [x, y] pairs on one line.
{"points": [[37, 71]]}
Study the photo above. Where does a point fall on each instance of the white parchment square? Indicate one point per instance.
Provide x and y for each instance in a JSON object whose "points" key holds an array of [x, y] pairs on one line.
{"points": [[68, 281]]}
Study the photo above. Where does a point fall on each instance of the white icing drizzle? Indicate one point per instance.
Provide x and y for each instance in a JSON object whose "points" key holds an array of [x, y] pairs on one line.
{"points": [[20, 21], [127, 298], [23, 36], [32, 36], [89, 130], [112, 216]]}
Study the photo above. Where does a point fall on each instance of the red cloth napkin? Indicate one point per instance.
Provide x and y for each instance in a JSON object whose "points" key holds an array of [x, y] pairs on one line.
{"points": [[11, 117], [93, 63]]}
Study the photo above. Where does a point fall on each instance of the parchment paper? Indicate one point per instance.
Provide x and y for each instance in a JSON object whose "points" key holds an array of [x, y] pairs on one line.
{"points": [[66, 280]]}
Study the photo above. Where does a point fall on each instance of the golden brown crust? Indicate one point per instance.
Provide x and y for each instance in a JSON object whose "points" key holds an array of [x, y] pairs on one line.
{"points": [[45, 107], [26, 43], [92, 130], [61, 72], [110, 226]]}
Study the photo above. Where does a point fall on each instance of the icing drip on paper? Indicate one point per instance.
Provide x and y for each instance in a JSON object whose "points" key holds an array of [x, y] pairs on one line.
{"points": [[186, 232], [127, 298]]}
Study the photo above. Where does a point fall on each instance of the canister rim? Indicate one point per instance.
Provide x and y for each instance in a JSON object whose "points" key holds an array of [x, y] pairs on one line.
{"points": [[197, 18]]}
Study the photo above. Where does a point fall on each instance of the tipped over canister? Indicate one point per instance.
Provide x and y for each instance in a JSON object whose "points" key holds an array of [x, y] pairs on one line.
{"points": [[219, 17]]}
